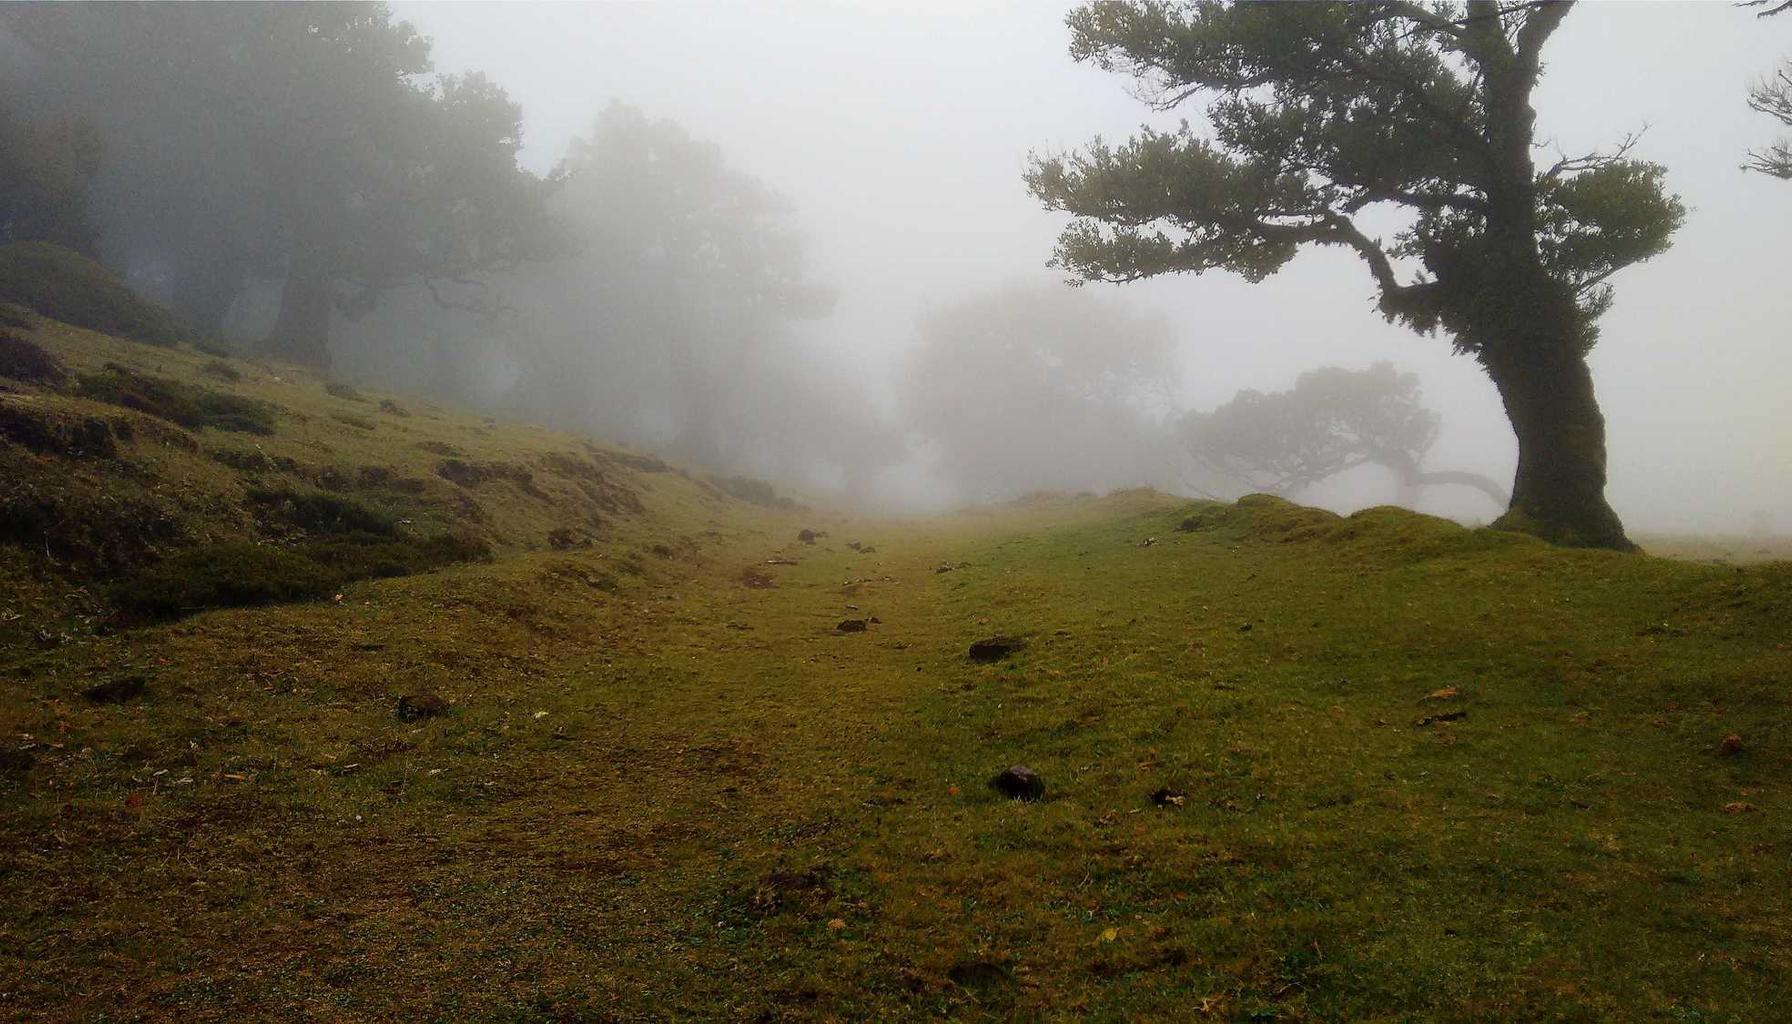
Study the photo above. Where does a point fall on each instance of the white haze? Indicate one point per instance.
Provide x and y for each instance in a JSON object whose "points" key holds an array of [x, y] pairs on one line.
{"points": [[900, 131]]}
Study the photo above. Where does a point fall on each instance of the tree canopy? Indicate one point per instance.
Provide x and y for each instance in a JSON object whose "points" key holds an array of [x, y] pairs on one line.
{"points": [[1332, 420], [309, 143], [1022, 389], [1325, 121]]}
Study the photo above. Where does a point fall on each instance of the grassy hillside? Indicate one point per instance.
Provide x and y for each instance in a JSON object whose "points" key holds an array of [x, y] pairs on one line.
{"points": [[1297, 767]]}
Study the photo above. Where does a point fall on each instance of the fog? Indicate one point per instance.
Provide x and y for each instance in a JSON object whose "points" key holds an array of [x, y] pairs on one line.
{"points": [[864, 163]]}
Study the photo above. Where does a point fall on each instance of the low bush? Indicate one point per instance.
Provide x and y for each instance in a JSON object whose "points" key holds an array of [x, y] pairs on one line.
{"points": [[189, 406], [27, 361], [222, 576]]}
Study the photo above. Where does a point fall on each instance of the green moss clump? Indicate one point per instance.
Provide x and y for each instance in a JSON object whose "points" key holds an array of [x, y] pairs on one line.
{"points": [[69, 287], [189, 406], [322, 512], [222, 576]]}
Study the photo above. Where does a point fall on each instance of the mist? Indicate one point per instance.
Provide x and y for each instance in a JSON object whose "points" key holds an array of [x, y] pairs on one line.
{"points": [[793, 242]]}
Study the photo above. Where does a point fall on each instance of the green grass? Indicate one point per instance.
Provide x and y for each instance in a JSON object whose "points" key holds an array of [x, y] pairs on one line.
{"points": [[661, 794]]}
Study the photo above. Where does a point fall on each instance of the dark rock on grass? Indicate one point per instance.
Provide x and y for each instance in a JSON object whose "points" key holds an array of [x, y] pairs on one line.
{"points": [[415, 707], [978, 974], [808, 536], [391, 408], [995, 648], [116, 691], [1167, 797], [1446, 716], [1018, 783], [851, 626]]}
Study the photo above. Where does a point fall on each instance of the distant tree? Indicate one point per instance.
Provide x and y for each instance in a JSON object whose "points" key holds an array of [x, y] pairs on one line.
{"points": [[307, 142], [686, 271], [1333, 420], [1773, 97], [1027, 389], [46, 170], [1328, 117]]}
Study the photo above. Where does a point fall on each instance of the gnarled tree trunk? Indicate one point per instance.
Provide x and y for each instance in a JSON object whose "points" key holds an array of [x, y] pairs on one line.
{"points": [[301, 333], [1559, 490]]}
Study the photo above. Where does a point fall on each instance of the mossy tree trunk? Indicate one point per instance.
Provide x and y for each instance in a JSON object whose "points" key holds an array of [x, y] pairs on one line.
{"points": [[1559, 490]]}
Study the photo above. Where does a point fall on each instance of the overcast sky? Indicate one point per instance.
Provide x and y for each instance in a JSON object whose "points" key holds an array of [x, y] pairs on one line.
{"points": [[901, 130]]}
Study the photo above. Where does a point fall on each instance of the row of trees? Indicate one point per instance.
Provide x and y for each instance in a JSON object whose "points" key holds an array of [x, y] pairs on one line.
{"points": [[309, 145], [299, 176], [1026, 389]]}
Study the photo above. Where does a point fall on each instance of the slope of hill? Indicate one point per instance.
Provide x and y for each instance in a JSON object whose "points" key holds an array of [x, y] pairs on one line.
{"points": [[612, 750]]}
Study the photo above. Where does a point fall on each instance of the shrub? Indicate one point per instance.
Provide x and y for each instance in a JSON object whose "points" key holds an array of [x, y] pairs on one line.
{"points": [[189, 406], [222, 370], [322, 512], [24, 360], [69, 287], [346, 392], [222, 576]]}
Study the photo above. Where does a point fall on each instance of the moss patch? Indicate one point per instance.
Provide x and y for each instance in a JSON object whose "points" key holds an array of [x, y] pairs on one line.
{"points": [[177, 402]]}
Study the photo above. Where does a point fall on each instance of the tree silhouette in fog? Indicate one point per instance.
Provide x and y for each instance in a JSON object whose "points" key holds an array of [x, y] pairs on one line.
{"points": [[1330, 120], [1332, 421]]}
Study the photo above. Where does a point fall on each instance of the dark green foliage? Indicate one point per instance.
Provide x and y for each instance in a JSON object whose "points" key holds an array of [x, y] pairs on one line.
{"points": [[223, 576], [322, 512], [750, 490], [58, 432], [357, 559], [346, 392], [222, 370], [24, 360], [66, 286], [189, 406], [244, 574]]}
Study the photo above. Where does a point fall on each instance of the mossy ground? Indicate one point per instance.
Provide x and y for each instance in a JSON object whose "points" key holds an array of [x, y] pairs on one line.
{"points": [[661, 793]]}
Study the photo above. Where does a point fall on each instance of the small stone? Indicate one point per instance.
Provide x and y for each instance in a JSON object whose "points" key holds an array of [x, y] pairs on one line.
{"points": [[1730, 746], [851, 626], [1019, 783], [1446, 716], [995, 648], [414, 707], [116, 691], [1167, 797], [807, 536]]}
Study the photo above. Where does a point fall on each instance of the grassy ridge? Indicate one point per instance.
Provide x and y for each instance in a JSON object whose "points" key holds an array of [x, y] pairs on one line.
{"points": [[1407, 771]]}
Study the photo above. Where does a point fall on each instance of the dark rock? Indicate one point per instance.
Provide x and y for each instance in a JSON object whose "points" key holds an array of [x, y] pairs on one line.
{"points": [[391, 408], [1018, 783], [1446, 716], [1167, 797], [414, 707], [851, 626], [995, 648], [116, 691], [1246, 628], [809, 536]]}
